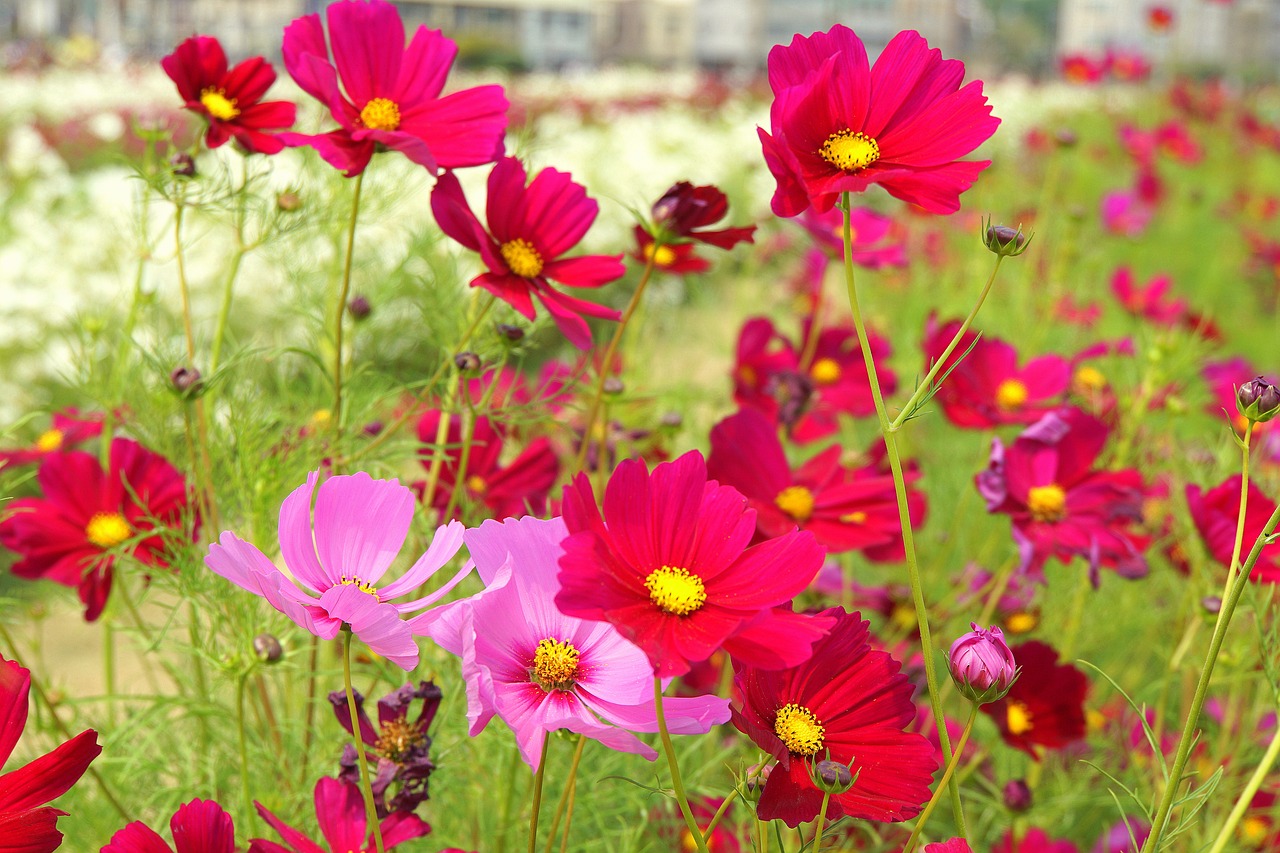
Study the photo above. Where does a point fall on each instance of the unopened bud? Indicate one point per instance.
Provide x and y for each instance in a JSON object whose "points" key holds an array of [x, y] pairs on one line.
{"points": [[187, 382], [466, 361], [982, 665], [831, 777], [288, 201], [359, 307], [183, 165], [1211, 604], [672, 420], [267, 648], [613, 385], [373, 429], [510, 332], [1005, 241], [756, 777], [1017, 796], [1258, 400], [1065, 138]]}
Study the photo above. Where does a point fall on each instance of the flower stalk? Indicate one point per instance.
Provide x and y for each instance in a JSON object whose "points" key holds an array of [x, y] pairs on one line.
{"points": [[370, 809], [341, 309], [677, 783]]}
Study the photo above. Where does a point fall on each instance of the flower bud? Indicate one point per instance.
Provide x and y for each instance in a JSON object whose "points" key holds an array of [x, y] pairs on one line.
{"points": [[466, 361], [671, 420], [187, 382], [288, 201], [183, 165], [373, 429], [982, 665], [267, 648], [613, 385], [1017, 796], [1211, 604], [1065, 137], [1005, 241], [831, 777], [1258, 400], [753, 783], [509, 331], [359, 307]]}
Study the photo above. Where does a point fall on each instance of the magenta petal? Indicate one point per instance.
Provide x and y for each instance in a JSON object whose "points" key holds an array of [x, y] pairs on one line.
{"points": [[296, 543], [368, 46], [15, 687], [137, 837], [444, 545], [340, 811], [424, 67], [337, 148], [49, 776], [202, 826], [360, 525]]}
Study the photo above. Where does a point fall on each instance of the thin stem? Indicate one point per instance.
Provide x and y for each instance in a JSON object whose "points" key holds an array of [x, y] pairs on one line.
{"points": [[341, 311], [943, 782], [513, 765], [822, 819], [370, 808], [606, 364], [245, 794], [1246, 796], [567, 795], [308, 729], [538, 779], [720, 813], [904, 512], [224, 310], [676, 782], [572, 793]]}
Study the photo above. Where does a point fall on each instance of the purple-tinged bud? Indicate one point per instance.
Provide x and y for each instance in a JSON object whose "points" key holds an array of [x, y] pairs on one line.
{"points": [[1005, 241], [1017, 796], [267, 648], [754, 781], [613, 385], [671, 420], [187, 382], [288, 201], [831, 777], [358, 307], [510, 332], [1258, 400], [373, 429], [183, 165], [1065, 137], [982, 665], [1211, 604], [467, 361]]}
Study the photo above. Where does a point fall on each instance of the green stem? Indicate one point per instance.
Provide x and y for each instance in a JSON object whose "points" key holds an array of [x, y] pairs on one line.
{"points": [[572, 793], [224, 310], [1232, 590], [308, 728], [341, 311], [1246, 796], [720, 813], [567, 796], [822, 819], [606, 363], [538, 779], [370, 809], [513, 766], [245, 794], [904, 512], [676, 782], [943, 782]]}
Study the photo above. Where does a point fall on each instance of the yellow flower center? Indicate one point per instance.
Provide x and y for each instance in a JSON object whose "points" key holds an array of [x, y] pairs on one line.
{"points": [[521, 258], [380, 114], [662, 256], [795, 501], [797, 727], [107, 529], [1019, 718], [49, 441], [825, 371], [1011, 394], [1254, 830], [477, 485], [398, 737], [363, 586], [850, 151], [555, 665], [1089, 379], [1047, 503], [687, 842], [675, 590], [903, 615], [320, 418], [1021, 622], [855, 517], [218, 104]]}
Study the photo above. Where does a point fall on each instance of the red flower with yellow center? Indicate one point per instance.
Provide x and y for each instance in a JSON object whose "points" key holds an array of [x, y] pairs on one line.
{"points": [[1045, 706]]}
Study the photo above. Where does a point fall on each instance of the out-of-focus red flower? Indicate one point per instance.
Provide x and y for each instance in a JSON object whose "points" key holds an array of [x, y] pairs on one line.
{"points": [[68, 428], [685, 213], [1160, 18], [1215, 514], [878, 241], [1080, 68], [1036, 840], [1127, 66], [1045, 706]]}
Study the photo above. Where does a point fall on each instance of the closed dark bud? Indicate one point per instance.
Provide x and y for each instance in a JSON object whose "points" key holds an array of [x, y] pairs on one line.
{"points": [[1005, 241], [466, 361], [832, 777], [1017, 796], [510, 332], [183, 165], [359, 307], [267, 648], [187, 382], [1258, 400]]}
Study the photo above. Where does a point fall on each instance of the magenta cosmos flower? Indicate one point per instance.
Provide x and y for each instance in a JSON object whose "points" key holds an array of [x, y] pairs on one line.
{"points": [[530, 227], [1215, 512], [668, 564], [200, 826], [389, 95], [231, 100], [341, 815], [360, 525], [540, 670], [840, 126], [26, 824], [67, 429]]}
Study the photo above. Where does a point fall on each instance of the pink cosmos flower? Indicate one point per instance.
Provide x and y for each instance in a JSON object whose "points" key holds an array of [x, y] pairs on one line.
{"points": [[1128, 66], [540, 670], [530, 227], [878, 241], [389, 94], [200, 826], [340, 812], [1126, 214], [1081, 68], [360, 526], [839, 126]]}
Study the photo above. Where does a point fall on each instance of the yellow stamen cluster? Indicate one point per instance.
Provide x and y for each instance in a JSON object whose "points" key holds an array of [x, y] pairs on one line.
{"points": [[398, 738], [107, 529], [798, 728], [380, 114], [555, 665], [363, 586], [1047, 503], [675, 590], [850, 151], [477, 485], [1011, 394], [521, 258], [1021, 622], [50, 441], [218, 104], [1018, 718], [662, 256], [795, 501], [825, 371], [1088, 379]]}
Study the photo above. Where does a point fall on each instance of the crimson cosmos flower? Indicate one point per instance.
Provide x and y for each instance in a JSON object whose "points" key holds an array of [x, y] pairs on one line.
{"points": [[685, 213], [839, 126], [668, 565], [1045, 706], [340, 813], [26, 826], [1215, 513], [71, 535], [67, 429], [231, 100], [848, 699], [390, 93], [530, 227], [200, 826], [845, 510]]}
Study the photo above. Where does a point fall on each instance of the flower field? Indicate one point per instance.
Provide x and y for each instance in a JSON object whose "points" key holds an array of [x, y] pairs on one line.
{"points": [[863, 457]]}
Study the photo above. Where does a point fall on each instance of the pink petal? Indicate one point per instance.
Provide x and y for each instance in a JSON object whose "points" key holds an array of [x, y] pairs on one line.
{"points": [[360, 525], [297, 545], [368, 46], [444, 545]]}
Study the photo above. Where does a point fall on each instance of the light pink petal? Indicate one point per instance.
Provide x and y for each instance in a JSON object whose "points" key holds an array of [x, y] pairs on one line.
{"points": [[444, 545], [296, 544], [684, 716], [361, 524], [378, 625], [247, 567]]}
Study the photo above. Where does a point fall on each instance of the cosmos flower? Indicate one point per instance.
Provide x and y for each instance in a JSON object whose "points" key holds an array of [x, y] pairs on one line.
{"points": [[200, 826], [67, 429], [87, 517], [360, 526], [529, 228], [541, 670], [1081, 68], [389, 94], [668, 564], [230, 100], [848, 699], [838, 125], [1045, 706], [1215, 512], [877, 242], [1035, 840], [26, 824], [685, 214], [341, 815]]}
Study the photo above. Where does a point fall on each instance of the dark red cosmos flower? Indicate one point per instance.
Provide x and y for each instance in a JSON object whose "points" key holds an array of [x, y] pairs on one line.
{"points": [[845, 510], [986, 388], [26, 824], [685, 213], [1215, 514], [67, 429], [516, 489], [200, 826], [1128, 66], [1045, 706], [668, 565], [341, 815], [71, 535], [668, 257], [1059, 505], [231, 100], [851, 700], [839, 126], [530, 227], [389, 94]]}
